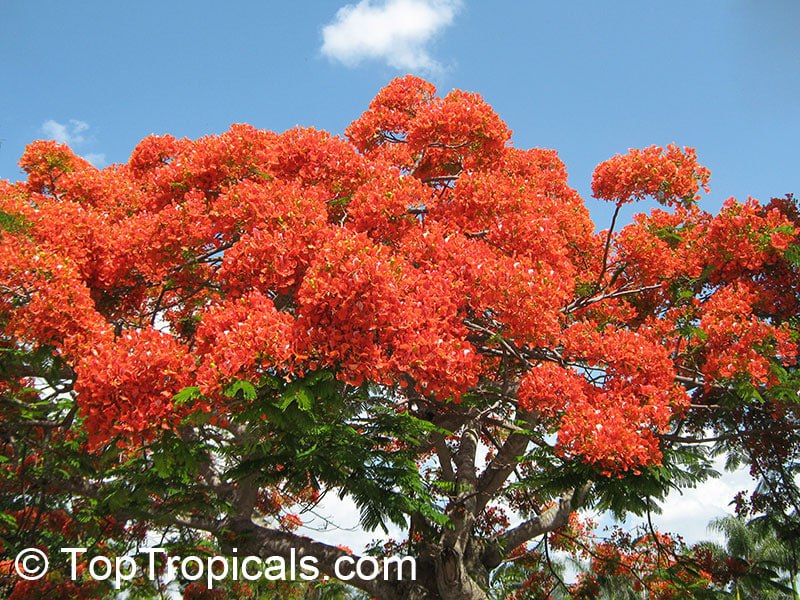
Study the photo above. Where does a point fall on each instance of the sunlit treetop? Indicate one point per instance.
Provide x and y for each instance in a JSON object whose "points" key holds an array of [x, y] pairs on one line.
{"points": [[421, 252]]}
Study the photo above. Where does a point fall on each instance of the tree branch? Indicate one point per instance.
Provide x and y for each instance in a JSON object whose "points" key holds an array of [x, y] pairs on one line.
{"points": [[607, 248], [551, 519], [445, 457], [500, 469], [265, 542], [462, 512], [584, 302]]}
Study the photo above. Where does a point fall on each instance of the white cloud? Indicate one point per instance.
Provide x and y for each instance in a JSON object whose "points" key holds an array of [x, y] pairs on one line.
{"points": [[336, 521], [689, 511], [70, 133], [396, 31], [98, 159], [74, 134]]}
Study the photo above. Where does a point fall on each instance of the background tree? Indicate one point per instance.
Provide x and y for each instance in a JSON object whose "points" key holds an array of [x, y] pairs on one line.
{"points": [[761, 563], [205, 341]]}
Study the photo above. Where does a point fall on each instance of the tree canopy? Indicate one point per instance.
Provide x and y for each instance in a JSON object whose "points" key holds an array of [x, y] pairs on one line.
{"points": [[203, 342]]}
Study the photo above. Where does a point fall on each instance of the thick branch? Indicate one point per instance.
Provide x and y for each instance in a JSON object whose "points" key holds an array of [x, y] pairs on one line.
{"points": [[500, 469], [551, 519], [264, 542], [462, 512], [465, 458], [445, 457]]}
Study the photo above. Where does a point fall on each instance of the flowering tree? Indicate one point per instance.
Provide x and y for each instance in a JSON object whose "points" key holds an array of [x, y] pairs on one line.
{"points": [[420, 317]]}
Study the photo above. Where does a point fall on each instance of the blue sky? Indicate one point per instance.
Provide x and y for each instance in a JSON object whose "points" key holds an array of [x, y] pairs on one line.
{"points": [[587, 78]]}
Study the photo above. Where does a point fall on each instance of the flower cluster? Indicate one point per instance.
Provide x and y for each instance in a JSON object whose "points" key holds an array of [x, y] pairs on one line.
{"points": [[671, 175], [421, 252]]}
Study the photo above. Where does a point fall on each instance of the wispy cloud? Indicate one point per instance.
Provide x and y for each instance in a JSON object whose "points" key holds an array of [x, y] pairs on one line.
{"points": [[395, 31], [70, 133], [337, 520], [98, 159], [74, 134]]}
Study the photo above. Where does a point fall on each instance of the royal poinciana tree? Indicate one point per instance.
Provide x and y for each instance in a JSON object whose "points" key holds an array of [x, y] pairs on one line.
{"points": [[418, 316]]}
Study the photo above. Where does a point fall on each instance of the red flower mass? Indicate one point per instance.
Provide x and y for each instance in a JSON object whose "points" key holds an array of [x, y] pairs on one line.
{"points": [[420, 252]]}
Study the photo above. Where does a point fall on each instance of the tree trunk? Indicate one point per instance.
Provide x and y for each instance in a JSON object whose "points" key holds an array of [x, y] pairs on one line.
{"points": [[453, 578]]}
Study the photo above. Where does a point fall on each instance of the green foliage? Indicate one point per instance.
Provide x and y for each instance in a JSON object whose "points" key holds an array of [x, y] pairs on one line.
{"points": [[637, 493], [765, 566], [12, 223]]}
